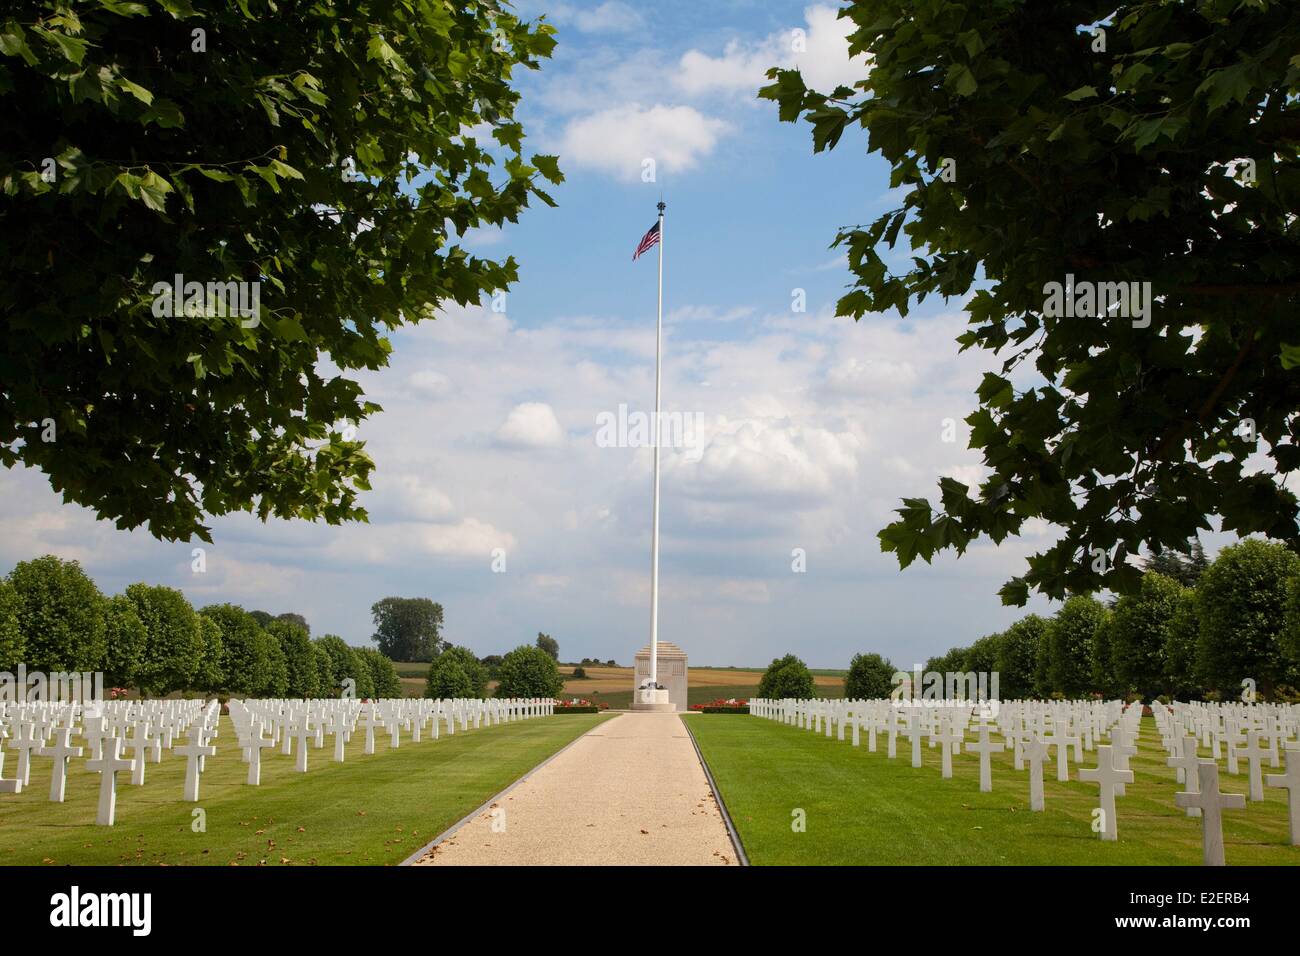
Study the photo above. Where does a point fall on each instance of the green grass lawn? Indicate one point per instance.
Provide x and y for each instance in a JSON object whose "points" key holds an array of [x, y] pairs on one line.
{"points": [[367, 810], [863, 808]]}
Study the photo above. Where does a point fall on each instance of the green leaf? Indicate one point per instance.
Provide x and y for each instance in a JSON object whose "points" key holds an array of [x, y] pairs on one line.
{"points": [[136, 90], [72, 48], [153, 189], [284, 170], [163, 113], [1082, 93], [13, 42], [961, 80]]}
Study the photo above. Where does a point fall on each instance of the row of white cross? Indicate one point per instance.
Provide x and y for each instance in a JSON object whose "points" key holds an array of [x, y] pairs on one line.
{"points": [[122, 736], [1030, 729]]}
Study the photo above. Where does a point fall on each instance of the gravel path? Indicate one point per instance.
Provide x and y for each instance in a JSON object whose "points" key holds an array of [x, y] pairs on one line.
{"points": [[629, 792]]}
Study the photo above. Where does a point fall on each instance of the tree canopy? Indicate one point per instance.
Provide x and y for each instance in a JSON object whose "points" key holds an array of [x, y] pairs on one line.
{"points": [[1158, 150], [321, 170], [407, 629]]}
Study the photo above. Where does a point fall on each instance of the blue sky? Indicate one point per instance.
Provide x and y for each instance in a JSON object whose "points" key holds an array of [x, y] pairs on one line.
{"points": [[813, 427]]}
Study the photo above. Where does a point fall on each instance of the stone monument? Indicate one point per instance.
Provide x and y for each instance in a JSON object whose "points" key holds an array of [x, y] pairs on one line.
{"points": [[672, 678]]}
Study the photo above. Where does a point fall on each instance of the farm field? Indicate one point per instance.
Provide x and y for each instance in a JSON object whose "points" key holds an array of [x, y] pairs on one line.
{"points": [[613, 685], [863, 808], [374, 809]]}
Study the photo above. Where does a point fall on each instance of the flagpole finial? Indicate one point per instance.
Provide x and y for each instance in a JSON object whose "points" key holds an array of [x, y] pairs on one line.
{"points": [[661, 207]]}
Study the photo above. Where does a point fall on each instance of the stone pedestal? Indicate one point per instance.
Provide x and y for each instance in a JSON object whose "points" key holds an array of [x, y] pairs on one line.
{"points": [[655, 701], [672, 677]]}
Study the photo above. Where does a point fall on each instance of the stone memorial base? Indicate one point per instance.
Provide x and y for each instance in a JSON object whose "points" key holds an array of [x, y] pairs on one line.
{"points": [[655, 701]]}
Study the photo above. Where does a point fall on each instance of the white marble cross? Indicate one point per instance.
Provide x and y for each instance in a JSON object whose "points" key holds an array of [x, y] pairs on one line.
{"points": [[1290, 781], [1108, 777], [913, 733], [26, 741], [1035, 752], [193, 751], [256, 744], [950, 736], [985, 747], [340, 731], [1064, 740], [1187, 773], [1254, 753], [109, 766], [61, 751], [1211, 802], [302, 733]]}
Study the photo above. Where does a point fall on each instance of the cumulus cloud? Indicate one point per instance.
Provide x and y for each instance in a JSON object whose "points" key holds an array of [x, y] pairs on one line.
{"points": [[620, 139], [819, 50], [531, 425], [609, 17]]}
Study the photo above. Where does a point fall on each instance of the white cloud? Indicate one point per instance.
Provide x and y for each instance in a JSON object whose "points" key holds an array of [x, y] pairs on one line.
{"points": [[609, 17], [618, 140], [531, 425], [823, 58]]}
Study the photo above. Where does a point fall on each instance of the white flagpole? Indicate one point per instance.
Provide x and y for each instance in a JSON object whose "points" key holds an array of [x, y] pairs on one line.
{"points": [[654, 533]]}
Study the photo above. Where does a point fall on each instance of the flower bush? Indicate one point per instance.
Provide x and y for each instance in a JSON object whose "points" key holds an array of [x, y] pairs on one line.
{"points": [[731, 705]]}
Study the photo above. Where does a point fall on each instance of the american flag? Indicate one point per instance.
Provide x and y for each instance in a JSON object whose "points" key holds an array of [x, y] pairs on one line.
{"points": [[648, 240]]}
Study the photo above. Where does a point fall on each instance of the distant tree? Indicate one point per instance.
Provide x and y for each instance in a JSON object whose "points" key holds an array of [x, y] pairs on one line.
{"points": [[325, 686], [529, 672], [870, 677], [982, 656], [382, 673], [244, 658], [549, 644], [1181, 640], [1105, 680], [298, 619], [175, 645], [262, 618], [12, 642], [275, 679], [1290, 637], [475, 672], [407, 629], [299, 661], [447, 679], [580, 673], [60, 614], [787, 677], [361, 672], [208, 675], [1069, 640], [1186, 569], [1241, 607], [341, 661], [125, 640], [1017, 656], [1140, 632], [492, 662]]}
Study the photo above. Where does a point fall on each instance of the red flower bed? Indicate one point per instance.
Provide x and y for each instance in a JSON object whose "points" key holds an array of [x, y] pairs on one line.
{"points": [[577, 705], [731, 705]]}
